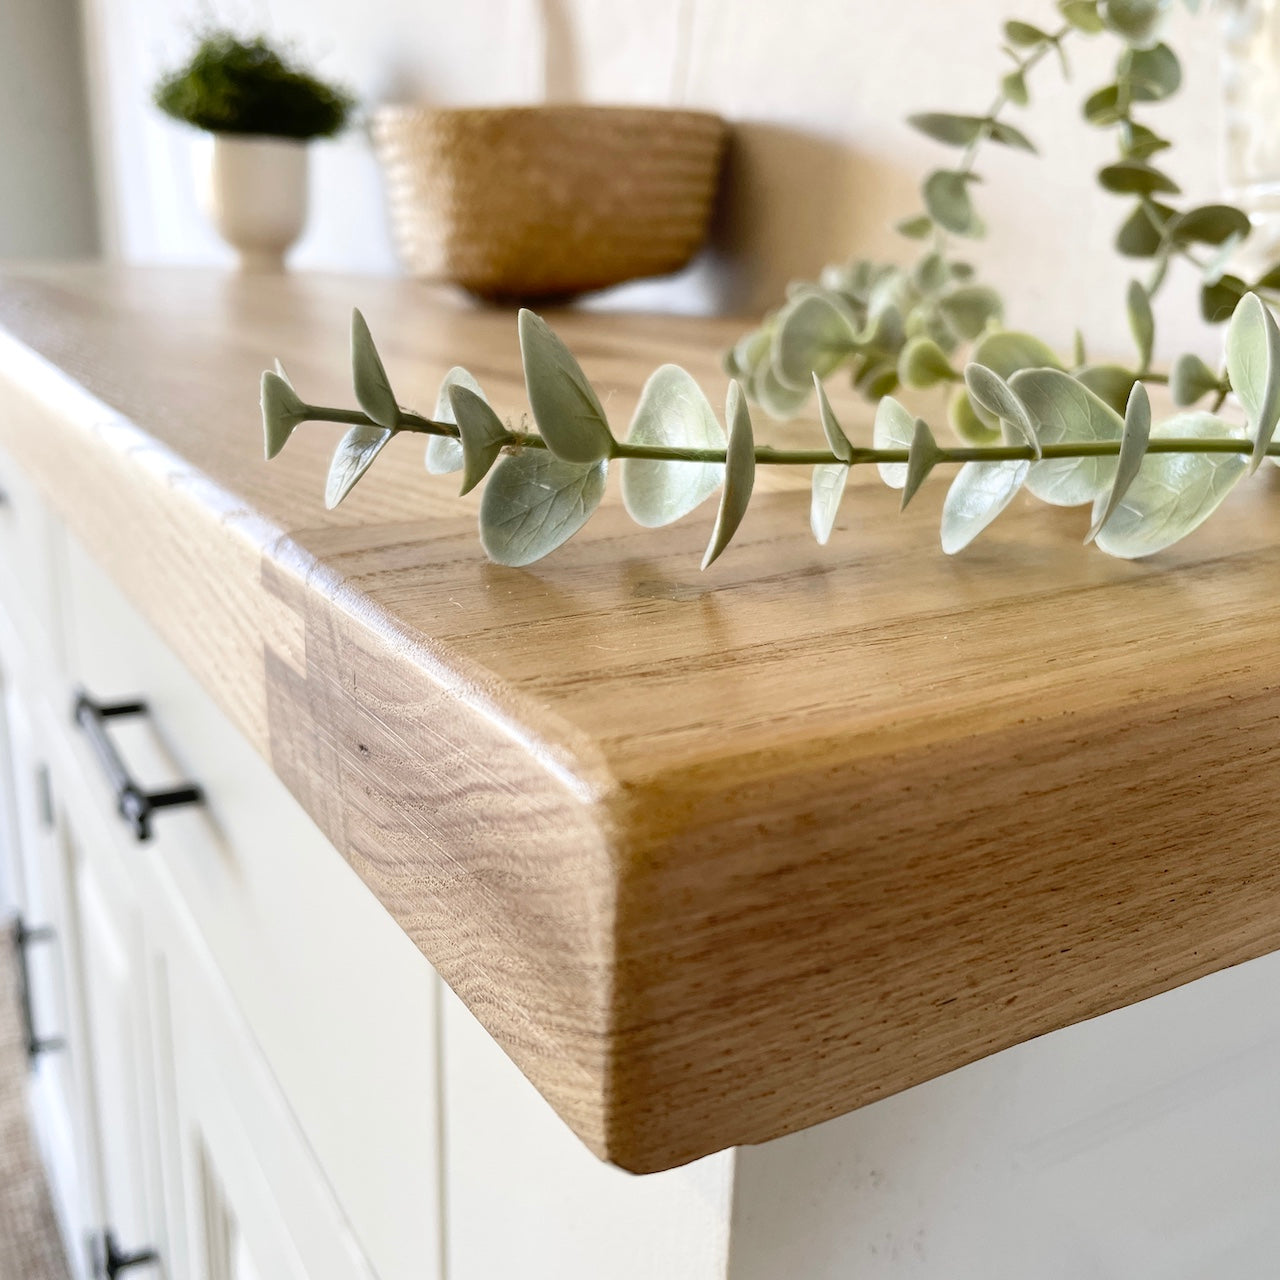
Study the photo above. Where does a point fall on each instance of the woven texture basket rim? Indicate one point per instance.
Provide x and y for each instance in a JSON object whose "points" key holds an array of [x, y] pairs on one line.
{"points": [[416, 111]]}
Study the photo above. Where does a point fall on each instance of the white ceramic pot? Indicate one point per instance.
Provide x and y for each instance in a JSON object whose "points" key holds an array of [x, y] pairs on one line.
{"points": [[255, 193]]}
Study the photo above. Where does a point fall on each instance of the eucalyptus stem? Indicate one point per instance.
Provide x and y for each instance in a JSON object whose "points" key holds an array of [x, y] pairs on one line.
{"points": [[768, 455]]}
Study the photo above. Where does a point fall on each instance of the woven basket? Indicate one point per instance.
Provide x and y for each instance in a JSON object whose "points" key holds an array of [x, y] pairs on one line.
{"points": [[545, 202]]}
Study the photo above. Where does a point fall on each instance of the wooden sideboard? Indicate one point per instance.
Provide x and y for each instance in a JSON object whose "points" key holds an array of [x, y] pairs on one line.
{"points": [[710, 858]]}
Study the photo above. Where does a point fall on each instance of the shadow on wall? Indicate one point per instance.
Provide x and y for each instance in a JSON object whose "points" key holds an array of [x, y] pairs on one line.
{"points": [[791, 202]]}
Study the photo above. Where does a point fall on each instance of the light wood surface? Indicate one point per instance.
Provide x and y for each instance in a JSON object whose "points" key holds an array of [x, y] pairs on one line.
{"points": [[713, 857]]}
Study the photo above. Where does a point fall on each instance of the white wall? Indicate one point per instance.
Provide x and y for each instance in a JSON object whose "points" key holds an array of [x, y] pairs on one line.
{"points": [[821, 163], [46, 190]]}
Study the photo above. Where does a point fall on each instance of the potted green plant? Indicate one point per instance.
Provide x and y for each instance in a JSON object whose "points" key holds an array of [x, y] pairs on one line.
{"points": [[261, 109]]}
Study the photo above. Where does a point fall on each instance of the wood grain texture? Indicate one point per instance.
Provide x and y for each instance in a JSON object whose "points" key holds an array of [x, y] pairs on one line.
{"points": [[713, 857]]}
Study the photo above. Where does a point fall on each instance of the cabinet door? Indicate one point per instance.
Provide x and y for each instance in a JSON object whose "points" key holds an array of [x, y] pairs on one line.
{"points": [[255, 1203], [113, 956]]}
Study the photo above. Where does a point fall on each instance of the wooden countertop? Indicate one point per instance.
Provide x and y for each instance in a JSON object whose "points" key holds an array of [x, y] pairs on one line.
{"points": [[713, 856]]}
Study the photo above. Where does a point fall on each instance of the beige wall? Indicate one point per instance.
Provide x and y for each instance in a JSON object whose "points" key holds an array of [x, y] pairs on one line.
{"points": [[46, 190], [817, 89]]}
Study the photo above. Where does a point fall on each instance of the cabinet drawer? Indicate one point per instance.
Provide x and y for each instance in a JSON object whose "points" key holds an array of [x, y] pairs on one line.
{"points": [[342, 1005], [28, 584]]}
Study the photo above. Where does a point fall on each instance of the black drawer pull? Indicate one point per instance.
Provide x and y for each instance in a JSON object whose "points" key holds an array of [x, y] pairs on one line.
{"points": [[23, 937], [107, 1260], [134, 804]]}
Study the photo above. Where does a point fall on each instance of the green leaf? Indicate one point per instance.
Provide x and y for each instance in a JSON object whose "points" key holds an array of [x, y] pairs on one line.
{"points": [[1133, 448], [924, 456], [1154, 74], [1111, 383], [1253, 365], [931, 274], [1216, 267], [672, 413], [1269, 280], [969, 309], [836, 438], [988, 390], [372, 387], [1008, 136], [444, 455], [828, 488], [979, 493], [918, 228], [922, 363], [953, 130], [1082, 14], [1140, 233], [965, 421], [1023, 34], [1136, 178], [776, 399], [1078, 353], [535, 502], [1139, 22], [1190, 379], [1102, 108], [1141, 143], [282, 411], [1142, 324], [893, 429], [946, 196], [1210, 224], [1006, 351], [1014, 87], [1218, 301], [1173, 493], [1065, 412], [565, 407], [353, 457], [483, 434], [877, 378], [739, 475], [816, 333]]}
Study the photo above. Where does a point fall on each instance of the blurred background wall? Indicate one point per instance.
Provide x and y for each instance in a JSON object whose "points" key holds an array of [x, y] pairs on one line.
{"points": [[821, 163]]}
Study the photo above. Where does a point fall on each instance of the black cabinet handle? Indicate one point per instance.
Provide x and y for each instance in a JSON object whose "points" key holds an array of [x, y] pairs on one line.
{"points": [[134, 804], [23, 937], [109, 1260]]}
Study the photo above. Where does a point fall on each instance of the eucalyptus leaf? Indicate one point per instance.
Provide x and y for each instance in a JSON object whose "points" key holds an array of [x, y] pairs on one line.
{"points": [[1253, 365], [969, 309], [1014, 87], [945, 127], [1218, 300], [372, 387], [1133, 448], [828, 488], [535, 502], [1211, 224], [965, 421], [922, 363], [1136, 178], [1008, 136], [444, 455], [1269, 280], [1024, 34], [1082, 14], [979, 493], [946, 196], [776, 399], [893, 429], [1065, 412], [1154, 73], [1006, 351], [925, 455], [1141, 143], [672, 413], [1137, 21], [1142, 323], [739, 475], [918, 228], [1173, 493], [282, 411], [1141, 235], [1102, 108], [353, 457], [566, 409], [877, 379], [1190, 379], [991, 392], [483, 434], [1111, 383], [836, 438], [815, 334]]}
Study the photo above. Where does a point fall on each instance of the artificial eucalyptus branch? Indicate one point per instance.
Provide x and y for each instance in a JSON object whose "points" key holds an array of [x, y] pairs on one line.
{"points": [[1148, 486], [1069, 432]]}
